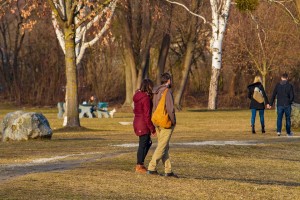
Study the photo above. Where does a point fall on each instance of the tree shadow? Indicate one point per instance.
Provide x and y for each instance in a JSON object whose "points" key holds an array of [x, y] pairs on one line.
{"points": [[251, 181], [218, 110], [79, 139], [78, 129]]}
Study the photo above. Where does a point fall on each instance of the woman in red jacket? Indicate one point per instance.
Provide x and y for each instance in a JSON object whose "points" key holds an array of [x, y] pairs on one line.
{"points": [[142, 124]]}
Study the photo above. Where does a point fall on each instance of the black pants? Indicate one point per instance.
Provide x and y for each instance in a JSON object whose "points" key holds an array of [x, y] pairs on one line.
{"points": [[145, 143]]}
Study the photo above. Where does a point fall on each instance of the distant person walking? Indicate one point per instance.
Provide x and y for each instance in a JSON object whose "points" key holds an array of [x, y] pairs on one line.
{"points": [[285, 96], [163, 134], [258, 97], [143, 126]]}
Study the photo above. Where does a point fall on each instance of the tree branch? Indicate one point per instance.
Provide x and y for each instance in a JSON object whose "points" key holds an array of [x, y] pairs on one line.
{"points": [[286, 9], [186, 8], [72, 13], [258, 35], [99, 35], [59, 33], [95, 12], [56, 12]]}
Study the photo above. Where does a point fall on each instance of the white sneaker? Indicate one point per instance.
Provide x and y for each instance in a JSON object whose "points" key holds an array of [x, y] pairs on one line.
{"points": [[278, 133], [291, 134]]}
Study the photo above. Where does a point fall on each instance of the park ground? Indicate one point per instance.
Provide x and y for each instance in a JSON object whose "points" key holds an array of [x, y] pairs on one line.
{"points": [[213, 152]]}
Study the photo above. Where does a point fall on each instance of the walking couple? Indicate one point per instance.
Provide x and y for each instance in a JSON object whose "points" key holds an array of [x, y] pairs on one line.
{"points": [[284, 94], [144, 100]]}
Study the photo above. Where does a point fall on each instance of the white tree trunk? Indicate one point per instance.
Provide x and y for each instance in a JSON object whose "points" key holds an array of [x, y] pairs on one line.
{"points": [[219, 21]]}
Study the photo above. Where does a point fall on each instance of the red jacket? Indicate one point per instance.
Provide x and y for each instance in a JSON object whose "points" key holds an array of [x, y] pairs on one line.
{"points": [[142, 123]]}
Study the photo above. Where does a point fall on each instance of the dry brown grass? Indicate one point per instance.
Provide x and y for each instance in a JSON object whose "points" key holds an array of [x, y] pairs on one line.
{"points": [[92, 168]]}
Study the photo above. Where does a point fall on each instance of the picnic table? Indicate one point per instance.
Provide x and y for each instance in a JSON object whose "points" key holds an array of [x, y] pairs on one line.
{"points": [[85, 110]]}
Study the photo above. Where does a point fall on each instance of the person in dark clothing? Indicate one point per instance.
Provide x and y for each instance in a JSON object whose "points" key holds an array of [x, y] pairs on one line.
{"points": [[285, 96], [142, 124], [93, 102], [256, 106]]}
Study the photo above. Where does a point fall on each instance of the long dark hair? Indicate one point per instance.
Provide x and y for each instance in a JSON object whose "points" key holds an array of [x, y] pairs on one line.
{"points": [[146, 86]]}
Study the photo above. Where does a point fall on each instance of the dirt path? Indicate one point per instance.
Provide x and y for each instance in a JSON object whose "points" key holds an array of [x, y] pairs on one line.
{"points": [[228, 142], [66, 162], [57, 163]]}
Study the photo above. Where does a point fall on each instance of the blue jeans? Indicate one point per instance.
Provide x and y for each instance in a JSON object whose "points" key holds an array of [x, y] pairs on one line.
{"points": [[287, 111], [261, 116]]}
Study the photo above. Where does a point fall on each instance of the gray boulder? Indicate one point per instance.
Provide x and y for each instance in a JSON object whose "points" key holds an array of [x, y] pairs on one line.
{"points": [[295, 115], [20, 125]]}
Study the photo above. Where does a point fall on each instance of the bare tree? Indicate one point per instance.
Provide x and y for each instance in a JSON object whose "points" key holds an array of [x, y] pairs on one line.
{"points": [[219, 15], [78, 25], [192, 26], [14, 23], [139, 21]]}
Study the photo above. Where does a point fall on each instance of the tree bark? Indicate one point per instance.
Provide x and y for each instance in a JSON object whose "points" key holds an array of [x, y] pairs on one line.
{"points": [[264, 73], [128, 78], [213, 89], [185, 73], [298, 7], [219, 21], [163, 54], [143, 70], [72, 116], [233, 82]]}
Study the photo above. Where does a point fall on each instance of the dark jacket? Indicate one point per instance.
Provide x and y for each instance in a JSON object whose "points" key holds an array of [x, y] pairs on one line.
{"points": [[157, 91], [284, 92], [142, 123], [254, 104]]}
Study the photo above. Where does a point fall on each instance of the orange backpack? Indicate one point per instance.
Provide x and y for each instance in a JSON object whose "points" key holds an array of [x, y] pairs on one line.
{"points": [[160, 116]]}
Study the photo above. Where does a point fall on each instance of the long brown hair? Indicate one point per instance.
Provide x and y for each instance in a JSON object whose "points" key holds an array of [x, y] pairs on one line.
{"points": [[147, 86]]}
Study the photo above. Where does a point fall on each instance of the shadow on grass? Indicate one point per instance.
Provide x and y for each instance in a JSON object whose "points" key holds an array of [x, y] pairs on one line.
{"points": [[11, 171], [219, 110], [77, 129], [79, 139], [252, 181]]}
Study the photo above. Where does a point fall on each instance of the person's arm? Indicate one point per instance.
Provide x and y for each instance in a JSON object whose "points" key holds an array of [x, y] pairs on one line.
{"points": [[249, 93], [170, 107], [147, 114], [273, 95], [265, 95], [291, 95]]}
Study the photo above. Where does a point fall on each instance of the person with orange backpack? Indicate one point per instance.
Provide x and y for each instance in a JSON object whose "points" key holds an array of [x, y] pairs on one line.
{"points": [[165, 121]]}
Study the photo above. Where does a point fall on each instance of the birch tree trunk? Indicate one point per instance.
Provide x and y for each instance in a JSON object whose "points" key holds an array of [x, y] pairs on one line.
{"points": [[213, 89], [219, 21]]}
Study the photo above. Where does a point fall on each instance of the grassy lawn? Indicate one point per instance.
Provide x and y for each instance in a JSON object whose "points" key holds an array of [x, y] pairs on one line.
{"points": [[86, 164]]}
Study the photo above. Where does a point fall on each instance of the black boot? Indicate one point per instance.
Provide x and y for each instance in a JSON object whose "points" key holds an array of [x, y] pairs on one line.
{"points": [[263, 129], [253, 129]]}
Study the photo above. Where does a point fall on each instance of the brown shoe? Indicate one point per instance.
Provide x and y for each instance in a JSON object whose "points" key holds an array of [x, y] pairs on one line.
{"points": [[140, 169]]}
